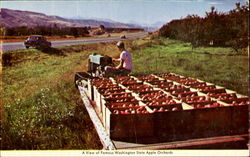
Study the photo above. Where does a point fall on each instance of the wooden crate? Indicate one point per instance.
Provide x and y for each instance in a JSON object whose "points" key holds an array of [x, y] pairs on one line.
{"points": [[177, 125], [186, 123], [98, 99], [129, 126]]}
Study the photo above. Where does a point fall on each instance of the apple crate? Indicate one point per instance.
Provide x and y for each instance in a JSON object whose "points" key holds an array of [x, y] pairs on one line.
{"points": [[147, 77], [160, 107], [205, 104], [142, 90], [204, 87], [129, 126], [130, 82], [176, 91], [236, 101], [200, 123], [171, 77], [230, 97], [123, 99], [190, 82], [162, 84], [121, 78], [185, 93], [118, 99], [119, 105], [216, 90], [176, 125], [99, 96], [118, 95]]}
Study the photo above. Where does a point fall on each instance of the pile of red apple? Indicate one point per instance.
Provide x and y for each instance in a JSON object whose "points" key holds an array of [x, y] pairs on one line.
{"points": [[162, 84], [206, 105], [119, 95], [139, 88], [164, 109], [128, 99], [122, 105], [240, 102], [121, 102], [184, 93], [205, 88], [131, 110], [215, 90], [172, 77], [223, 96], [122, 78], [162, 102], [195, 99], [111, 89], [126, 80], [155, 95], [176, 88], [189, 81], [148, 79], [101, 81], [106, 87]]}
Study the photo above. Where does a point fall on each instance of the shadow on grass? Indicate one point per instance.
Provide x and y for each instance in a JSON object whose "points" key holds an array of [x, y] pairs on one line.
{"points": [[8, 59], [52, 51]]}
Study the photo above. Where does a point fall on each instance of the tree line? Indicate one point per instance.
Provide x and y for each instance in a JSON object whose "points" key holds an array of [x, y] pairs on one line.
{"points": [[57, 31], [215, 29], [48, 31]]}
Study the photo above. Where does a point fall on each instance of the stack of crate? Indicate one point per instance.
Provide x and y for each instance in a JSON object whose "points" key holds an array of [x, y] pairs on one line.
{"points": [[167, 107]]}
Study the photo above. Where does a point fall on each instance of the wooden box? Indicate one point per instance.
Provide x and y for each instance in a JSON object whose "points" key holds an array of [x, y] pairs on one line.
{"points": [[177, 125]]}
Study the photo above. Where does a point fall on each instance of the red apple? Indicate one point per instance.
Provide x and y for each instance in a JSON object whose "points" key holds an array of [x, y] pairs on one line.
{"points": [[175, 109], [116, 112]]}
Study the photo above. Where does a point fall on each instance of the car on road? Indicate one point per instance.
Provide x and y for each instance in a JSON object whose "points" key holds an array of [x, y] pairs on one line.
{"points": [[123, 37], [37, 41]]}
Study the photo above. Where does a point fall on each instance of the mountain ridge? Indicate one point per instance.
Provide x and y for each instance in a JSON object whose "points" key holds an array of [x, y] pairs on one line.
{"points": [[17, 18]]}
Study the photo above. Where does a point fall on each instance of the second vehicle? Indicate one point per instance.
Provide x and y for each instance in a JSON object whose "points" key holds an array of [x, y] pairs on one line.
{"points": [[37, 41]]}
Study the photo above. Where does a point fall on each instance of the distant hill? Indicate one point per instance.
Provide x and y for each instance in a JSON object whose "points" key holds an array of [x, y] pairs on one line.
{"points": [[17, 18]]}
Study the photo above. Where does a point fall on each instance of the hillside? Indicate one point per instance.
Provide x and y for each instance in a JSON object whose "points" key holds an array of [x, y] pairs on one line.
{"points": [[16, 18]]}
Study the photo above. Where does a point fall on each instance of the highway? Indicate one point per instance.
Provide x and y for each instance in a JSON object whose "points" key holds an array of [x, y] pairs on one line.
{"points": [[11, 46]]}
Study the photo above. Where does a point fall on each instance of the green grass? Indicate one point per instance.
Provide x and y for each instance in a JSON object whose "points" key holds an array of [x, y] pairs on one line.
{"points": [[220, 66], [43, 110]]}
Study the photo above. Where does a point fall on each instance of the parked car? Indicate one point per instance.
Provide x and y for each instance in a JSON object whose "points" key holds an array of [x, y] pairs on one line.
{"points": [[37, 41], [123, 37]]}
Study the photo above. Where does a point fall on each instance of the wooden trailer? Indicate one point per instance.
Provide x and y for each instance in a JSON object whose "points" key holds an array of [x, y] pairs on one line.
{"points": [[125, 116]]}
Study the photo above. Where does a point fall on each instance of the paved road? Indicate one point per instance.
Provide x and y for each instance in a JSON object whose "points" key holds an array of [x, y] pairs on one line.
{"points": [[11, 46]]}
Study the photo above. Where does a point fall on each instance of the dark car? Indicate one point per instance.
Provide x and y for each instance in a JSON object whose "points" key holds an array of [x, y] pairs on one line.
{"points": [[123, 37], [37, 41]]}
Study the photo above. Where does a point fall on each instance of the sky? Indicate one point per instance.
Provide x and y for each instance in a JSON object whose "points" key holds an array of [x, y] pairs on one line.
{"points": [[128, 11]]}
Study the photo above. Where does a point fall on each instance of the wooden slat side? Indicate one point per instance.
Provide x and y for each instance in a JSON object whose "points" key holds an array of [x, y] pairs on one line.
{"points": [[106, 141], [193, 143]]}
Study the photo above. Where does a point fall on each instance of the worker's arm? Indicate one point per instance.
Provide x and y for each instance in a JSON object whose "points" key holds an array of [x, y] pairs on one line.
{"points": [[120, 64], [116, 60]]}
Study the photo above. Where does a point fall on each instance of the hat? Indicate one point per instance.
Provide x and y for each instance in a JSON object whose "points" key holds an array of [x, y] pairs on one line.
{"points": [[120, 44]]}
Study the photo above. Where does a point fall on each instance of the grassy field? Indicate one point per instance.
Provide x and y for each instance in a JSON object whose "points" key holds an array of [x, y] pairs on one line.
{"points": [[221, 66], [43, 110]]}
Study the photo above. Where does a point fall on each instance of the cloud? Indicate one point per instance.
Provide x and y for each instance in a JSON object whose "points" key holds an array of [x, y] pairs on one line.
{"points": [[215, 3]]}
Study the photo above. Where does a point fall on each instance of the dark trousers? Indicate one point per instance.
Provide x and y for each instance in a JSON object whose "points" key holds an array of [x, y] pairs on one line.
{"points": [[112, 71]]}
